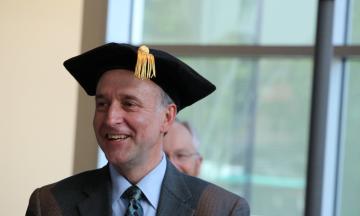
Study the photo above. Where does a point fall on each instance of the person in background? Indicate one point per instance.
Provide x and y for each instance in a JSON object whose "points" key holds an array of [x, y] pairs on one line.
{"points": [[138, 92], [181, 146]]}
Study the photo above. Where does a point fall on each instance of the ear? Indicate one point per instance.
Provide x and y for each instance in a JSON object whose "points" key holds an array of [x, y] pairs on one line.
{"points": [[169, 118]]}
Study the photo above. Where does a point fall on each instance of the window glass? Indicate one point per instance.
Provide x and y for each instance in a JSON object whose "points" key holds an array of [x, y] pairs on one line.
{"points": [[229, 22], [286, 22], [254, 129], [350, 175], [355, 22]]}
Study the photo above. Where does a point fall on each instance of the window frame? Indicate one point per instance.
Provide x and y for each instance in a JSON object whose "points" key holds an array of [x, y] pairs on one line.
{"points": [[329, 164]]}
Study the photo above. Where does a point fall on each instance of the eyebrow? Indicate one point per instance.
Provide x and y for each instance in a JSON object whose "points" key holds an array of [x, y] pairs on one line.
{"points": [[99, 96], [125, 96]]}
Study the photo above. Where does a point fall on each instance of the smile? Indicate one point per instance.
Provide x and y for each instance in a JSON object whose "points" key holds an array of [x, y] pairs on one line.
{"points": [[116, 136]]}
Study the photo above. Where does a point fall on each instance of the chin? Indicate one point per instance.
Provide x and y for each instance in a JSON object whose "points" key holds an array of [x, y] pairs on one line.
{"points": [[116, 158]]}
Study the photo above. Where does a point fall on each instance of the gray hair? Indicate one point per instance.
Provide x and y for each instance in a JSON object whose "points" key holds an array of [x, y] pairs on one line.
{"points": [[165, 98], [192, 131]]}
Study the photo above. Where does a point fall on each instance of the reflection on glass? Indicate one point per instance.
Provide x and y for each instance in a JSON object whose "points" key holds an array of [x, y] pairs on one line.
{"points": [[254, 129], [350, 185], [229, 22]]}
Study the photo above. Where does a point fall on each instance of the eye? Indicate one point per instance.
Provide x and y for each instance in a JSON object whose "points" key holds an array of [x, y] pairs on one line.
{"points": [[101, 105], [183, 156], [129, 104], [180, 156]]}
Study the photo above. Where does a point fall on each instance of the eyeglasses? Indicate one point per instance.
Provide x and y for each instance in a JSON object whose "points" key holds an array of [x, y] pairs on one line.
{"points": [[182, 156]]}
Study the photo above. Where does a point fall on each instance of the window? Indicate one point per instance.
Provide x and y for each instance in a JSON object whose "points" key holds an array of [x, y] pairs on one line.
{"points": [[228, 23], [354, 25], [349, 171], [254, 130]]}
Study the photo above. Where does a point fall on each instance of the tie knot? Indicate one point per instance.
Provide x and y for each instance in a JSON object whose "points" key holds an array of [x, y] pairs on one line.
{"points": [[132, 193]]}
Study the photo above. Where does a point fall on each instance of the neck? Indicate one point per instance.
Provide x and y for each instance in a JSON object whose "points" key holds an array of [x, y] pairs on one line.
{"points": [[135, 172]]}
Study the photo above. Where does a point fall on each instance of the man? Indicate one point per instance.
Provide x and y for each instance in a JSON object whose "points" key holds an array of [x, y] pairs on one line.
{"points": [[180, 145], [137, 94]]}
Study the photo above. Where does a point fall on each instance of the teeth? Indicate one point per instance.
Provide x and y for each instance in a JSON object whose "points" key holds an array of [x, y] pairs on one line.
{"points": [[116, 136]]}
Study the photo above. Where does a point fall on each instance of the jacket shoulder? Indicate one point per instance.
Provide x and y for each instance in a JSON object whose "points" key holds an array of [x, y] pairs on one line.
{"points": [[215, 200], [52, 199], [81, 180]]}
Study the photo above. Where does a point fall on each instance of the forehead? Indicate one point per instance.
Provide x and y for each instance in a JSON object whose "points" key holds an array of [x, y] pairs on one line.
{"points": [[178, 138], [120, 81]]}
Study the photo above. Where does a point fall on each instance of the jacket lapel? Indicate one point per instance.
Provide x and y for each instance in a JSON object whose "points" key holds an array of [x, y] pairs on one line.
{"points": [[175, 196], [97, 194]]}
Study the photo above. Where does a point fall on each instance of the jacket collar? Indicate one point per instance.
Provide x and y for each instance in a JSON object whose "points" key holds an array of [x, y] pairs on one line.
{"points": [[97, 193], [175, 195]]}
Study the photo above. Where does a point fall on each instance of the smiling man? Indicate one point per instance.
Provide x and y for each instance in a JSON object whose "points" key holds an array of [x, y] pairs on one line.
{"points": [[129, 121], [138, 93]]}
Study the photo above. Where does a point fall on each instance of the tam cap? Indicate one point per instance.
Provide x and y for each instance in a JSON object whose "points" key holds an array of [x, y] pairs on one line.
{"points": [[182, 83]]}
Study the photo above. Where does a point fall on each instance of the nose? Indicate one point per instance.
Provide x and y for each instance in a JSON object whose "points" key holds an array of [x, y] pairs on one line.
{"points": [[114, 115]]}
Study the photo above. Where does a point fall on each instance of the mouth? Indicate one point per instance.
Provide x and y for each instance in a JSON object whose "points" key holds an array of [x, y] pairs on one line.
{"points": [[113, 137]]}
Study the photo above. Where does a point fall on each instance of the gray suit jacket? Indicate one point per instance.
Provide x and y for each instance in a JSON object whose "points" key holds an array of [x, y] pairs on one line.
{"points": [[88, 194]]}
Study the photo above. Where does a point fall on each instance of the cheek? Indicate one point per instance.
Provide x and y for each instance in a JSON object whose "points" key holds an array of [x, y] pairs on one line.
{"points": [[144, 123], [97, 122], [136, 122], [139, 120], [183, 165], [190, 166]]}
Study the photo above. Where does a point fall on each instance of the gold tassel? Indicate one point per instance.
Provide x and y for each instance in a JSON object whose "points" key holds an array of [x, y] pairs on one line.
{"points": [[145, 64]]}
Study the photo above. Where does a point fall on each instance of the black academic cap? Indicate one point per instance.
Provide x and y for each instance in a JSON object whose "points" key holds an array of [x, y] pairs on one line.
{"points": [[182, 83]]}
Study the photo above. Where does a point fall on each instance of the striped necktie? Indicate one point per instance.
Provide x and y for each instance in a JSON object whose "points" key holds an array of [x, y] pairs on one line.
{"points": [[133, 194]]}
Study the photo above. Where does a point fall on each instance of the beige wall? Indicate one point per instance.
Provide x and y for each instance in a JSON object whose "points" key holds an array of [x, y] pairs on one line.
{"points": [[39, 99], [93, 34]]}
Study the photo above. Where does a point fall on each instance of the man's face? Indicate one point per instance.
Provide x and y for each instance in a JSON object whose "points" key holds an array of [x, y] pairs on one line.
{"points": [[180, 148], [129, 119]]}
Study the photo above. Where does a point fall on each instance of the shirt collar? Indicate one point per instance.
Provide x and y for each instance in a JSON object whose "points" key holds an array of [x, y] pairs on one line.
{"points": [[150, 184]]}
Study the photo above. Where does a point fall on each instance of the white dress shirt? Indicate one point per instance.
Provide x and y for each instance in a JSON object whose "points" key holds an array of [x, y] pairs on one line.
{"points": [[150, 185]]}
